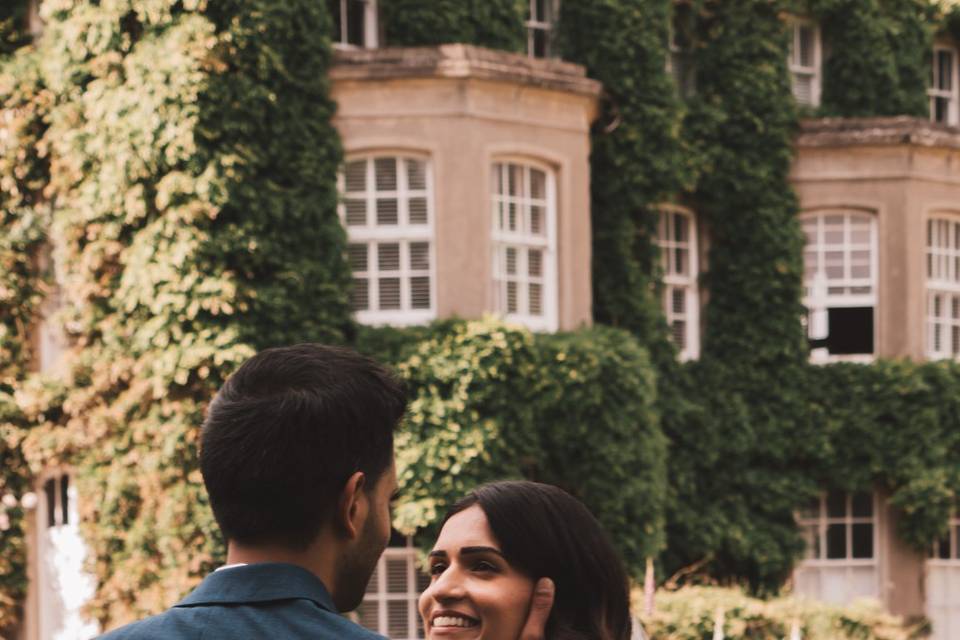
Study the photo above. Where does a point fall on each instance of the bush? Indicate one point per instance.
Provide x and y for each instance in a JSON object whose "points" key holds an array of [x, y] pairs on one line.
{"points": [[690, 614], [493, 401]]}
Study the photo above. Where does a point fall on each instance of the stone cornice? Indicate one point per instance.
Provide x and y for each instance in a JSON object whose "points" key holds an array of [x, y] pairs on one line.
{"points": [[461, 61], [892, 131]]}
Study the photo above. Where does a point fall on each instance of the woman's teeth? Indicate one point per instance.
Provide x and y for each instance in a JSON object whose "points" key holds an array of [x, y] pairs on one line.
{"points": [[452, 621]]}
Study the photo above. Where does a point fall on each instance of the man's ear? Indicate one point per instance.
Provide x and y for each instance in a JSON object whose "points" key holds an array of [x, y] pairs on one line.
{"points": [[353, 505]]}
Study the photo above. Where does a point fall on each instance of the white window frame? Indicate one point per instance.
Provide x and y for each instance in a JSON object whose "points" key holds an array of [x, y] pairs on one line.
{"points": [[817, 297], [943, 286], [378, 595], [403, 234], [501, 240], [797, 69], [370, 26], [547, 26], [822, 520], [951, 94], [672, 281]]}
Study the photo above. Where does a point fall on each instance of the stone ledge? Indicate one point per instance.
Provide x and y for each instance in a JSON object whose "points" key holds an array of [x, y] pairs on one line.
{"points": [[461, 61], [890, 131]]}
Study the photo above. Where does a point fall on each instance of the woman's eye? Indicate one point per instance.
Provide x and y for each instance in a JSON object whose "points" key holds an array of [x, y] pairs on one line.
{"points": [[437, 568], [483, 565]]}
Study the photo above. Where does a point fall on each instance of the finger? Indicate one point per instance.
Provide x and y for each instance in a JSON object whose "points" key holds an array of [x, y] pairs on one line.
{"points": [[540, 606]]}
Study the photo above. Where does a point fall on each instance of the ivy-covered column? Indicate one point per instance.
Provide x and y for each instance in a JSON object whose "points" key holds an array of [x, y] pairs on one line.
{"points": [[735, 473], [636, 161], [194, 173]]}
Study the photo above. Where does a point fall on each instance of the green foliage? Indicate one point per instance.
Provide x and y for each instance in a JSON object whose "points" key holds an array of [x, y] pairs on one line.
{"points": [[691, 614], [637, 161], [493, 401], [497, 24], [879, 56], [193, 170]]}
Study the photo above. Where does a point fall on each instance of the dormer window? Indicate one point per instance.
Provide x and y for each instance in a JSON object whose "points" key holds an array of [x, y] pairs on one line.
{"points": [[804, 62], [354, 23]]}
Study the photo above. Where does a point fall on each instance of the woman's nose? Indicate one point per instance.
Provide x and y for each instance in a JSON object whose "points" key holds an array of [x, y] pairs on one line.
{"points": [[449, 585]]}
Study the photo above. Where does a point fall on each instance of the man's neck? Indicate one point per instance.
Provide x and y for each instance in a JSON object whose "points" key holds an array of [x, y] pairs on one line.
{"points": [[318, 558]]}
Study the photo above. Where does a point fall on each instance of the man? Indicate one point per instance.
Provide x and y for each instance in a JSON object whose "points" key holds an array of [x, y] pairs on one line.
{"points": [[297, 458]]}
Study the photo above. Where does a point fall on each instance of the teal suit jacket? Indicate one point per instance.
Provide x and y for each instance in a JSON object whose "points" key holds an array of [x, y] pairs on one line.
{"points": [[272, 601]]}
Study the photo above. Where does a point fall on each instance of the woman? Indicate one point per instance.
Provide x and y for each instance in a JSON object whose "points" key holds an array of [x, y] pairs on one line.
{"points": [[497, 542]]}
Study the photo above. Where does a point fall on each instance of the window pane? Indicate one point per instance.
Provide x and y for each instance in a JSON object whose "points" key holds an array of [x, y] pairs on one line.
{"points": [[511, 297], [420, 292], [419, 256], [388, 257], [418, 210], [355, 22], [536, 299], [803, 88], [396, 575], [511, 261], [836, 542], [538, 184], [356, 212], [678, 333], [944, 70], [357, 257], [416, 175], [389, 293], [535, 263], [862, 540], [941, 549], [805, 45], [387, 211], [850, 330], [537, 214], [385, 170], [862, 504], [356, 176], [836, 504], [398, 619], [679, 301]]}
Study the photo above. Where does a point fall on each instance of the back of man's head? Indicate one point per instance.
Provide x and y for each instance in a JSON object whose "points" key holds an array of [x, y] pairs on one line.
{"points": [[285, 433]]}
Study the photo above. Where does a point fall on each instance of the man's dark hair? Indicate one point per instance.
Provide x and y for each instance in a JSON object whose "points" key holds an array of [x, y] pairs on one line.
{"points": [[284, 434], [545, 532]]}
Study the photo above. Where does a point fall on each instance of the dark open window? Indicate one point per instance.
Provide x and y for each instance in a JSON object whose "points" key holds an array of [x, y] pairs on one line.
{"points": [[850, 330]]}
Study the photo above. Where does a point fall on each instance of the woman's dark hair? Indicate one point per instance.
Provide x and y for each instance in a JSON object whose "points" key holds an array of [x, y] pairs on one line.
{"points": [[545, 532]]}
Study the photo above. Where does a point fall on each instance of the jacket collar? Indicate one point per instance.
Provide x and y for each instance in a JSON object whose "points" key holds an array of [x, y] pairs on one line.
{"points": [[261, 582]]}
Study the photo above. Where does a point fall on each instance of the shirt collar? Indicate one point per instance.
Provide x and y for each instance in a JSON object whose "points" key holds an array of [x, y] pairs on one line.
{"points": [[260, 582]]}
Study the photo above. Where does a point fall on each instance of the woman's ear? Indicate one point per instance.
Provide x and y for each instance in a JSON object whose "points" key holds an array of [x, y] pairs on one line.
{"points": [[353, 506]]}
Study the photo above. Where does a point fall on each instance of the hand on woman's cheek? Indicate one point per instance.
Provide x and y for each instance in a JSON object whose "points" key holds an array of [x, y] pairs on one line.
{"points": [[474, 593]]}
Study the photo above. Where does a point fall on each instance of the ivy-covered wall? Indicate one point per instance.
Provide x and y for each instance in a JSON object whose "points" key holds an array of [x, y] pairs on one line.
{"points": [[192, 185], [179, 162]]}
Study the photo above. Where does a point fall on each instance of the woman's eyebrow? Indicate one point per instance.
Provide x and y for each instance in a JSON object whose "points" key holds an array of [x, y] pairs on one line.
{"points": [[437, 553], [466, 551]]}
